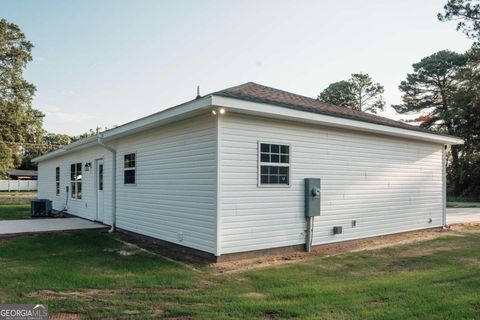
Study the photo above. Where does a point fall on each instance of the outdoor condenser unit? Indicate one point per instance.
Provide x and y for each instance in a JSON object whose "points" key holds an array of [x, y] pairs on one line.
{"points": [[40, 208]]}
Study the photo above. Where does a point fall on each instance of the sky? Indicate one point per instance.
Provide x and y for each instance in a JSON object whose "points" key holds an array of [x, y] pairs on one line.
{"points": [[104, 63]]}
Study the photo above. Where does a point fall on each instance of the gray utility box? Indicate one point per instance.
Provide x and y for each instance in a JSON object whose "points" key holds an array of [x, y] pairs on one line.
{"points": [[312, 197]]}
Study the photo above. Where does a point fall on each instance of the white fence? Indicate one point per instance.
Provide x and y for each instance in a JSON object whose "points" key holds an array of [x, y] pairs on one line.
{"points": [[18, 185]]}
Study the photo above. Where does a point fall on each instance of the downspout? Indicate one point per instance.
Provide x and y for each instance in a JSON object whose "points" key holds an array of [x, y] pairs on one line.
{"points": [[444, 185], [114, 180]]}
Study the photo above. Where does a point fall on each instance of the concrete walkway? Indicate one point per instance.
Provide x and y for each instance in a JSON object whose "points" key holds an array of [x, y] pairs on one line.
{"points": [[10, 228], [463, 215]]}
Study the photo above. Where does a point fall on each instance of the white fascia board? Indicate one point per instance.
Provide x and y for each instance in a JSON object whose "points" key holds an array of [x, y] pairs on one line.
{"points": [[272, 111], [176, 113], [77, 145]]}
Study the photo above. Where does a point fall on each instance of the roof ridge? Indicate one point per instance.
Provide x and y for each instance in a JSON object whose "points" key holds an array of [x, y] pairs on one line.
{"points": [[320, 102]]}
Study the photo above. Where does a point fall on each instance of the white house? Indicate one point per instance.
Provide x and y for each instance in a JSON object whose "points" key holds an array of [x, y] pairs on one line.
{"points": [[224, 173]]}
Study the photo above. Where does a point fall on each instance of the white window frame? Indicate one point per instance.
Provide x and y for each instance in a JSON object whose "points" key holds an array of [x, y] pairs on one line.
{"points": [[76, 182], [260, 163], [129, 169], [57, 181]]}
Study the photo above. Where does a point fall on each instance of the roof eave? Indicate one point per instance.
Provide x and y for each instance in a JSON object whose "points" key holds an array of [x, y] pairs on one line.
{"points": [[279, 112], [268, 110], [176, 113]]}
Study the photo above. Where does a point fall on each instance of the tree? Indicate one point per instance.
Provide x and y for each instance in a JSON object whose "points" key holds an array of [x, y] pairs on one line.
{"points": [[431, 91], [358, 93], [465, 175], [50, 142], [53, 141], [338, 93], [87, 134], [467, 13], [368, 94], [19, 121]]}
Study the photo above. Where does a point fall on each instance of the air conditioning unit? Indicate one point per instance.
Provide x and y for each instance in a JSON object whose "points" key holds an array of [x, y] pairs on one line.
{"points": [[40, 208]]}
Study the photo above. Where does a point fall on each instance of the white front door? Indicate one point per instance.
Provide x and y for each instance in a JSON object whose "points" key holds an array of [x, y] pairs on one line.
{"points": [[99, 185]]}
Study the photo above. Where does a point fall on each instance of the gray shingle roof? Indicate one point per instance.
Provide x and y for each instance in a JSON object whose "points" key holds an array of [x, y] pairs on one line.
{"points": [[254, 92], [19, 172]]}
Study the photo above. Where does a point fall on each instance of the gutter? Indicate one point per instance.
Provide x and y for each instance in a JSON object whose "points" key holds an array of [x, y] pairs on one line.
{"points": [[114, 180], [290, 114], [181, 111]]}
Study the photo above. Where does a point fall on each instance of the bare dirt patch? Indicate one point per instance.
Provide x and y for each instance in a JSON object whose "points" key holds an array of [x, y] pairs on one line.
{"points": [[466, 227], [91, 294], [64, 316], [472, 261], [129, 249], [185, 316], [344, 247], [254, 295], [83, 294]]}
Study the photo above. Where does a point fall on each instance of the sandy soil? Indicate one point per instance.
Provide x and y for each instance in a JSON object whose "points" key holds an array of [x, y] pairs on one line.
{"points": [[340, 248]]}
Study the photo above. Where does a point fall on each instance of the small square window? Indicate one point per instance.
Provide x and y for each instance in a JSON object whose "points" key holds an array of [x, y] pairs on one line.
{"points": [[76, 180], [283, 179], [129, 177], [129, 160], [57, 181], [264, 178], [129, 165], [79, 190], [274, 164]]}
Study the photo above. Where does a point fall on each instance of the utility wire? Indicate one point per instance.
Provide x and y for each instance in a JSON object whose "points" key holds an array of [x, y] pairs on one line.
{"points": [[34, 144]]}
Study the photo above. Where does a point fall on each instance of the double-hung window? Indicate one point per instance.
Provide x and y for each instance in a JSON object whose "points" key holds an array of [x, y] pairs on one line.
{"points": [[57, 181], [129, 166], [274, 164], [76, 180]]}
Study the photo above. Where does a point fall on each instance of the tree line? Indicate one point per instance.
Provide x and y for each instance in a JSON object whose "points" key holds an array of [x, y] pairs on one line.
{"points": [[22, 136], [443, 90]]}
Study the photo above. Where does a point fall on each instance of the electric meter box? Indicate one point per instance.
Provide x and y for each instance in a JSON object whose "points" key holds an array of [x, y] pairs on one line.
{"points": [[312, 197]]}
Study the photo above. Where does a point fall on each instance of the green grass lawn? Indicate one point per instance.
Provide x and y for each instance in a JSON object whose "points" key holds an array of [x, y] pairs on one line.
{"points": [[15, 205], [96, 275], [463, 204]]}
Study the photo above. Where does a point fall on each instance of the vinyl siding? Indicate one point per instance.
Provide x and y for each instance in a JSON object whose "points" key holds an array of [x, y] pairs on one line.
{"points": [[174, 198], [387, 185], [85, 207]]}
